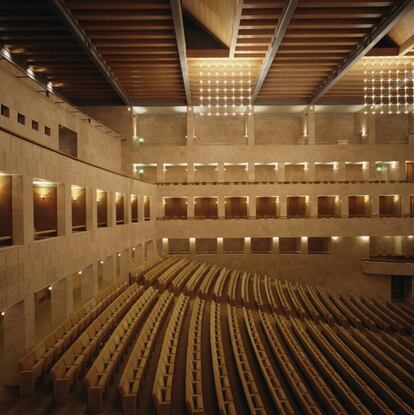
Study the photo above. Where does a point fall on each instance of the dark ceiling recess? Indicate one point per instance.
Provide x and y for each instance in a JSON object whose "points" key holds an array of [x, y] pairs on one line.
{"points": [[201, 43], [34, 34]]}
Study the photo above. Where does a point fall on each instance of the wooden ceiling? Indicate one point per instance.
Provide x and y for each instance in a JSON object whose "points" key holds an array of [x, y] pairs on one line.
{"points": [[137, 47]]}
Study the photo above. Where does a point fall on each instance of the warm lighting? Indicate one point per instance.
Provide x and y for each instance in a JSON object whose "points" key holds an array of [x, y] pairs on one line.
{"points": [[101, 262], [140, 140], [49, 288], [43, 196], [3, 313], [133, 249], [394, 164], [119, 254], [387, 82], [364, 238], [335, 238], [5, 52], [366, 198], [141, 171], [396, 198], [410, 236], [79, 272]]}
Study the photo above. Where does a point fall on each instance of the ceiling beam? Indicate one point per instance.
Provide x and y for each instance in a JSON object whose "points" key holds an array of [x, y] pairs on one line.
{"points": [[177, 14], [407, 46], [65, 14], [277, 38], [236, 25], [370, 41]]}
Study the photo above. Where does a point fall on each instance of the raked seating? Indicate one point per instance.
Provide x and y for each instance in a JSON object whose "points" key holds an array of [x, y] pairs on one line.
{"points": [[38, 361]]}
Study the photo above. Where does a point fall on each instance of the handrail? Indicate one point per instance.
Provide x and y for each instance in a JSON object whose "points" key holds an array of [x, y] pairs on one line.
{"points": [[289, 182], [162, 218], [390, 258]]}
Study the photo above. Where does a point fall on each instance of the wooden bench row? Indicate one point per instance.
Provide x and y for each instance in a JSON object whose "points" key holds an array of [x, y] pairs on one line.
{"points": [[191, 287], [100, 373], [164, 376], [204, 290], [36, 363], [133, 375], [66, 370]]}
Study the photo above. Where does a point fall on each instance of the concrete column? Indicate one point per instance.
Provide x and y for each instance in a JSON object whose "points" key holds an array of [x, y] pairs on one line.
{"points": [[190, 126], [310, 119], [220, 207], [190, 207], [250, 130], [91, 210], [18, 337], [281, 176], [109, 270], [369, 172], [220, 245], [374, 201], [304, 245], [339, 171], [405, 205], [192, 246], [190, 172], [313, 206], [127, 208], [247, 245], [402, 171], [160, 206], [89, 282], [220, 172], [160, 173], [111, 208], [275, 245], [371, 134], [251, 172], [283, 206], [344, 208], [61, 298], [22, 210], [125, 260], [165, 246], [141, 208], [311, 173], [252, 206], [398, 245], [64, 209]]}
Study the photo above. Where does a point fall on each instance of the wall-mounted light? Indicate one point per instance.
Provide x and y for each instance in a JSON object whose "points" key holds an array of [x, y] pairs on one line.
{"points": [[101, 262], [140, 140], [119, 254], [335, 165], [43, 196], [410, 236], [3, 313], [335, 238], [133, 249], [365, 238], [49, 288], [141, 171], [396, 198], [366, 198], [79, 272]]}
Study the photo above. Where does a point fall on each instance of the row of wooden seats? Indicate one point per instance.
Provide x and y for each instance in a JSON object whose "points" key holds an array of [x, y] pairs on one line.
{"points": [[194, 385], [195, 280], [257, 291], [165, 278], [204, 290], [132, 377], [164, 376], [218, 291], [232, 288], [138, 273], [37, 362], [302, 394], [326, 398], [178, 283], [100, 373], [224, 393], [251, 392], [272, 380], [65, 371], [344, 393], [150, 277]]}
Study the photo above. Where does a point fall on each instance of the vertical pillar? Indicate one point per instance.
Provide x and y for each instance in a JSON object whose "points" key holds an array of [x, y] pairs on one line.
{"points": [[64, 209], [398, 245], [247, 245], [190, 126], [283, 206], [374, 202], [281, 176], [371, 133], [190, 207], [125, 264], [304, 245], [220, 172], [310, 172], [344, 205], [220, 245], [313, 208], [369, 172], [127, 208], [402, 171], [22, 205], [251, 172], [192, 242], [165, 246], [275, 245], [111, 208], [220, 207], [252, 206], [108, 270], [250, 130], [91, 210], [18, 335], [89, 282], [160, 173], [340, 171], [405, 205], [190, 172], [61, 300]]}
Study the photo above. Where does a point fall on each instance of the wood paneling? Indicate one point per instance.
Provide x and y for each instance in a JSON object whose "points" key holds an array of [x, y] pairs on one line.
{"points": [[175, 208], [45, 209], [78, 209], [235, 207], [266, 207], [120, 209], [134, 208], [357, 206], [296, 206], [102, 208], [205, 207], [147, 207]]}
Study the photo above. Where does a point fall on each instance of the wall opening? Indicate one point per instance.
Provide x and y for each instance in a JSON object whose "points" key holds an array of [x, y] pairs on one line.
{"points": [[44, 209], [68, 141], [102, 208], [78, 209], [205, 207], [119, 208], [134, 208]]}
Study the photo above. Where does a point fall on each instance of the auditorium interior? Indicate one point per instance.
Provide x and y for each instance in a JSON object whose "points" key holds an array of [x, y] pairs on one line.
{"points": [[206, 207]]}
